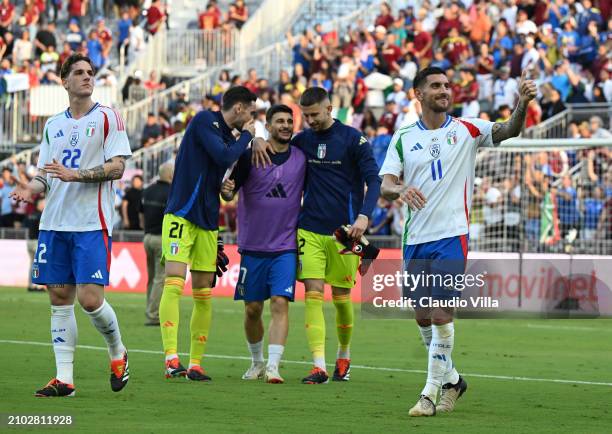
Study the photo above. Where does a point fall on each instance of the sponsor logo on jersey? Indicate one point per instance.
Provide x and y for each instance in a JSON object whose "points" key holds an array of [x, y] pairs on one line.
{"points": [[91, 129], [59, 134], [74, 138], [35, 272], [321, 151], [277, 191], [416, 147], [362, 140], [174, 249], [434, 150], [216, 124], [451, 137]]}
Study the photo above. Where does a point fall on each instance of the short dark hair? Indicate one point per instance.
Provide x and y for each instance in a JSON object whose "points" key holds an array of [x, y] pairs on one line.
{"points": [[312, 96], [71, 60], [235, 95], [421, 77], [277, 108]]}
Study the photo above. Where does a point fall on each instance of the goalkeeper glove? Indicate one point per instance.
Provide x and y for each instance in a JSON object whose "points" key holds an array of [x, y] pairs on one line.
{"points": [[222, 260], [362, 248]]}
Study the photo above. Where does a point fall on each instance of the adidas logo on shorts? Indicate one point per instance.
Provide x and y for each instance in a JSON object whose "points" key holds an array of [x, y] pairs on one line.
{"points": [[97, 275]]}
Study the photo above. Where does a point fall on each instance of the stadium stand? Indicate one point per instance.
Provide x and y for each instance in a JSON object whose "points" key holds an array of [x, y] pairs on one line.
{"points": [[549, 195]]}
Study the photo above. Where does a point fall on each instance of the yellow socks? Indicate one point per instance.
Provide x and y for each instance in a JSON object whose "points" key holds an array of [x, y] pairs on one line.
{"points": [[315, 327], [200, 324], [344, 324], [169, 313]]}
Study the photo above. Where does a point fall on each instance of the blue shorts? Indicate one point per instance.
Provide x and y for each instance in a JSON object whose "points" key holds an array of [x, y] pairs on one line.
{"points": [[441, 262], [261, 278], [72, 257]]}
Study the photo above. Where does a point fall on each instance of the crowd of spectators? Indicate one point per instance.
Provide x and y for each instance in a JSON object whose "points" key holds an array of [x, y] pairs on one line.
{"points": [[212, 17], [36, 36], [564, 45]]}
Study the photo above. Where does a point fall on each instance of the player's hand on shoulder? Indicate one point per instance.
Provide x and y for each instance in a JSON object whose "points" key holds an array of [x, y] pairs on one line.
{"points": [[57, 170], [527, 88], [413, 197], [260, 149]]}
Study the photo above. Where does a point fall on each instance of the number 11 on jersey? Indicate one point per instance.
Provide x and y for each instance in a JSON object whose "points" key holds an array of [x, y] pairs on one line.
{"points": [[436, 172]]}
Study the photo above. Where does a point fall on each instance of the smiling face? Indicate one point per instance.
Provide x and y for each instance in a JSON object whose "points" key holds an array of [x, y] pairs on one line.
{"points": [[80, 80], [281, 127], [435, 93]]}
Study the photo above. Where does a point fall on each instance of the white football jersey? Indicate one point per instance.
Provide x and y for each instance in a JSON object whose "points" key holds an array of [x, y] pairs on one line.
{"points": [[440, 163], [81, 144]]}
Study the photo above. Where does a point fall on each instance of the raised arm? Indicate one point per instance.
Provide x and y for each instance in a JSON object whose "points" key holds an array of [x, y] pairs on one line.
{"points": [[111, 170], [513, 126]]}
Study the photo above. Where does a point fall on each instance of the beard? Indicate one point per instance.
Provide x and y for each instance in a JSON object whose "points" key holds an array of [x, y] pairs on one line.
{"points": [[437, 106], [281, 140]]}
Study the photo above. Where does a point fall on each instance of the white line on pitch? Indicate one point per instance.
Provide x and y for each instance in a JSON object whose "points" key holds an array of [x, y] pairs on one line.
{"points": [[299, 362], [571, 328]]}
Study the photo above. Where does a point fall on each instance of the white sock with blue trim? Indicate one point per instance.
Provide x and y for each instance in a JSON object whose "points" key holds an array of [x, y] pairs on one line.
{"points": [[64, 337]]}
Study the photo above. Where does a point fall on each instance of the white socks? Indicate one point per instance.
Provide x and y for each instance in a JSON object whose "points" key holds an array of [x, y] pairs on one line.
{"points": [[425, 335], [64, 338], [319, 362], [440, 350], [451, 376], [275, 352], [105, 321], [256, 350]]}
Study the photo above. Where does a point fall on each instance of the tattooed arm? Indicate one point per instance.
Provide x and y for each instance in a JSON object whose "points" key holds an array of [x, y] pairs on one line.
{"points": [[112, 169], [513, 126]]}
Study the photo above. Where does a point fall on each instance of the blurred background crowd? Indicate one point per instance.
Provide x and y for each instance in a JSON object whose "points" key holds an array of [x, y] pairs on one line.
{"points": [[564, 45]]}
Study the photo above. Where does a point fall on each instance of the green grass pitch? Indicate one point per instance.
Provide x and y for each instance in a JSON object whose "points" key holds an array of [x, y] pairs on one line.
{"points": [[512, 368]]}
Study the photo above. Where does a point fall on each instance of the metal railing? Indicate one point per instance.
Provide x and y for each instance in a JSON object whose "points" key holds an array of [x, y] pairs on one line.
{"points": [[149, 159], [321, 11], [17, 125], [200, 48], [557, 126], [269, 23]]}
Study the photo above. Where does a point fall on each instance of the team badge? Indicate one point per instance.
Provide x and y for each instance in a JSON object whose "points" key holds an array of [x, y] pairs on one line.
{"points": [[91, 129], [321, 151], [174, 249], [451, 137], [434, 150], [35, 272], [74, 138]]}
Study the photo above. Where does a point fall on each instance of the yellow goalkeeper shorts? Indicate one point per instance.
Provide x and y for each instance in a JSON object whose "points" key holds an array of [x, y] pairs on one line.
{"points": [[183, 241]]}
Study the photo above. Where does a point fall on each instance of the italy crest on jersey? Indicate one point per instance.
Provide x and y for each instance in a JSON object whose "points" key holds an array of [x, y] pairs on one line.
{"points": [[35, 272], [91, 129], [74, 138], [451, 137], [434, 149], [174, 249], [321, 151]]}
